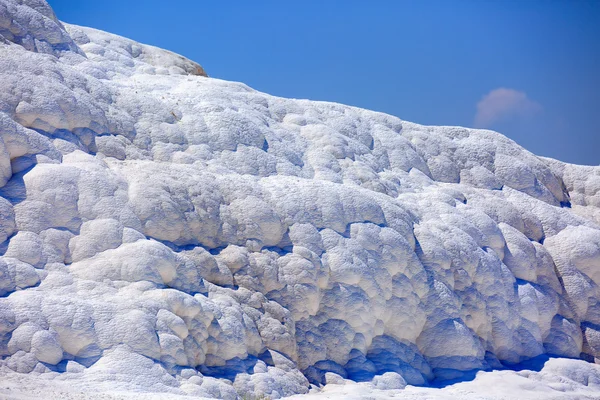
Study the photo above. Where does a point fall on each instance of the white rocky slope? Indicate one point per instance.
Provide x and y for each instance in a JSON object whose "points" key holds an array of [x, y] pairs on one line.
{"points": [[162, 231]]}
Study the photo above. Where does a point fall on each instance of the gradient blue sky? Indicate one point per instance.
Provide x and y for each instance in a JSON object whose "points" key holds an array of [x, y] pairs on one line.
{"points": [[529, 69]]}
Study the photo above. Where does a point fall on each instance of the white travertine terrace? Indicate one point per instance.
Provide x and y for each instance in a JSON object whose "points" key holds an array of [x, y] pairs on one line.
{"points": [[168, 232]]}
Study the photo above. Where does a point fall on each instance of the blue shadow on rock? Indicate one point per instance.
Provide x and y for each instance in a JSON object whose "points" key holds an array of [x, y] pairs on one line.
{"points": [[231, 368], [14, 191]]}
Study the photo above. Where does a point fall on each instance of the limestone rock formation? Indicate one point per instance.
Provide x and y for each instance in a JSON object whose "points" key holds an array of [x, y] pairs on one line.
{"points": [[163, 231]]}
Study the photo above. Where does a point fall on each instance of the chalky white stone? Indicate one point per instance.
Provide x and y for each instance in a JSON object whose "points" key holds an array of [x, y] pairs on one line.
{"points": [[163, 231]]}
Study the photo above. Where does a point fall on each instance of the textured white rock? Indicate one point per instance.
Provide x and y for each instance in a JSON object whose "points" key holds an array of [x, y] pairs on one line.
{"points": [[164, 231], [46, 348], [389, 380]]}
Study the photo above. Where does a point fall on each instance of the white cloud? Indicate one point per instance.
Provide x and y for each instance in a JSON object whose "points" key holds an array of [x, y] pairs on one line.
{"points": [[501, 104]]}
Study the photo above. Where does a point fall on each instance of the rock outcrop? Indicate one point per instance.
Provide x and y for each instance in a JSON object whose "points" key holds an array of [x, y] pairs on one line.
{"points": [[164, 231]]}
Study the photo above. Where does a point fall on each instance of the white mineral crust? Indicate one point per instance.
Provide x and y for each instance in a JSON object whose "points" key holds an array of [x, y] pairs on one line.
{"points": [[166, 232]]}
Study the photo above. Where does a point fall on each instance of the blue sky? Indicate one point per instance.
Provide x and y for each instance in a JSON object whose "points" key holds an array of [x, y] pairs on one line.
{"points": [[528, 69]]}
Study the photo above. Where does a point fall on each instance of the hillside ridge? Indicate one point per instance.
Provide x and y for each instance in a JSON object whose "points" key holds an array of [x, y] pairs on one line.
{"points": [[162, 231]]}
